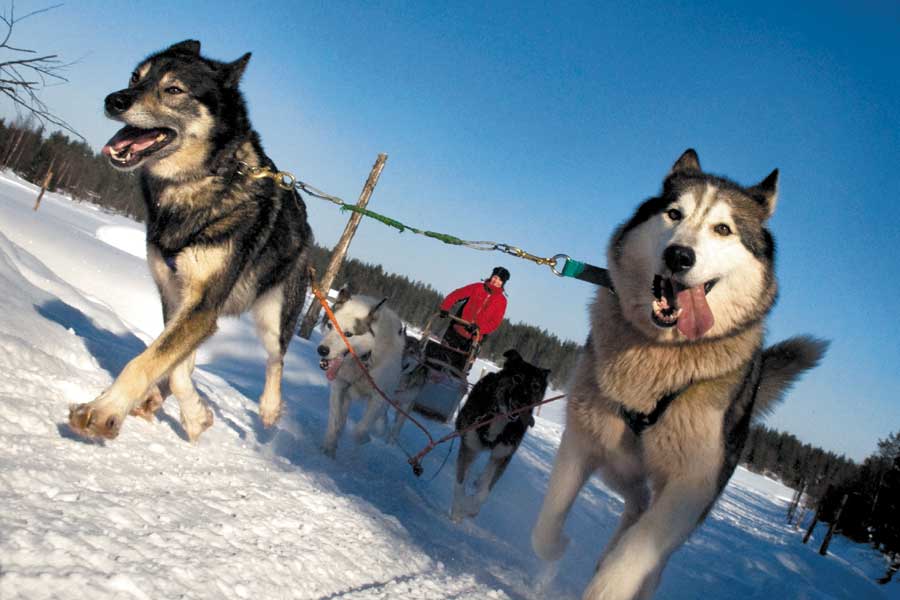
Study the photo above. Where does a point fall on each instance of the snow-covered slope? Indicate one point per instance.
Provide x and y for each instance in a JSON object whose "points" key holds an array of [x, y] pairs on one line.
{"points": [[252, 513]]}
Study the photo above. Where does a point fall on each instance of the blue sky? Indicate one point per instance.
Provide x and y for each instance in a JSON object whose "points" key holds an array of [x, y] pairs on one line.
{"points": [[544, 127]]}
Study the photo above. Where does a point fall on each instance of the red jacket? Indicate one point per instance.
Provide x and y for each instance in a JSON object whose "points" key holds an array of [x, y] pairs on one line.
{"points": [[485, 307]]}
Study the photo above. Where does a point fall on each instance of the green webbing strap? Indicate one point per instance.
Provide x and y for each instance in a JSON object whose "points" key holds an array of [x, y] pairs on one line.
{"points": [[572, 268], [447, 239]]}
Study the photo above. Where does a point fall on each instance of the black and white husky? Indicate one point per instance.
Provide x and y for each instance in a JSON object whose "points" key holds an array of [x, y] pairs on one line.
{"points": [[672, 372], [378, 337]]}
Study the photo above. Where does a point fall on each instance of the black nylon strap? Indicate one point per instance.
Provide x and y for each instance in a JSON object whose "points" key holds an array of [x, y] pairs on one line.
{"points": [[595, 275], [638, 421]]}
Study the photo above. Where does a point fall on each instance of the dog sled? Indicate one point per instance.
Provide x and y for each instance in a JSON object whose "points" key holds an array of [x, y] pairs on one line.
{"points": [[439, 381]]}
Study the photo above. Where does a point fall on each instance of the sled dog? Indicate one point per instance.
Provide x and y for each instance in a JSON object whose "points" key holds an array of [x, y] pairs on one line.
{"points": [[378, 337], [672, 372], [412, 378], [517, 385], [218, 241]]}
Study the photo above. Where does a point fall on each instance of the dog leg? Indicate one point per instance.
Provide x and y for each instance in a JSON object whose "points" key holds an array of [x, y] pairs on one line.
{"points": [[501, 455], [375, 407], [267, 314], [196, 417], [338, 407], [623, 473], [464, 460], [103, 417], [152, 403], [405, 401], [573, 465], [634, 564], [206, 288]]}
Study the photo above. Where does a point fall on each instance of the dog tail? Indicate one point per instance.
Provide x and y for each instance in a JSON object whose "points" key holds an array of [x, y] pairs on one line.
{"points": [[782, 365]]}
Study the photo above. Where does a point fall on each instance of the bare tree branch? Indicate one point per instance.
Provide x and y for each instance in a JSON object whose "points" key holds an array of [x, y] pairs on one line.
{"points": [[23, 77]]}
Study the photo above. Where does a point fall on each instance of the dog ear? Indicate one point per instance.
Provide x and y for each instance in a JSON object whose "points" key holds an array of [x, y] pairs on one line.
{"points": [[512, 355], [689, 161], [234, 71], [766, 192], [186, 47], [343, 297]]}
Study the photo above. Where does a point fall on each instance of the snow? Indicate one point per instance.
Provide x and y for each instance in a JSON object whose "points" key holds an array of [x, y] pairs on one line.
{"points": [[254, 513]]}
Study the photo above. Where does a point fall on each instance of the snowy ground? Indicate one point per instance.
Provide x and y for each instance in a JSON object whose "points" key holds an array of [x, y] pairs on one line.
{"points": [[251, 513]]}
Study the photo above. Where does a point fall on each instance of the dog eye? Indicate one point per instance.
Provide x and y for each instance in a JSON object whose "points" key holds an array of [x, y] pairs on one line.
{"points": [[134, 78], [328, 325], [722, 229], [674, 214], [348, 334], [174, 90]]}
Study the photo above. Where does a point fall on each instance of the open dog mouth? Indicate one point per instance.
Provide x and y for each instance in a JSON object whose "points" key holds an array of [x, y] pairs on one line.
{"points": [[331, 366], [676, 304], [131, 145]]}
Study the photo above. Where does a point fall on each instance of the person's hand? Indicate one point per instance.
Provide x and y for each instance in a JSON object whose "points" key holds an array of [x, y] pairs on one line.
{"points": [[471, 327], [444, 313]]}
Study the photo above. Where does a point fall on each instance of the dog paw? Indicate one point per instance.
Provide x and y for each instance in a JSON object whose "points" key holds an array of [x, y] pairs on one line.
{"points": [[152, 403], [88, 420], [269, 413], [194, 429], [549, 546]]}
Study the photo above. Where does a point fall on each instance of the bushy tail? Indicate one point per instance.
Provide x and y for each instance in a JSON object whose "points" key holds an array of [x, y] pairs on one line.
{"points": [[781, 367]]}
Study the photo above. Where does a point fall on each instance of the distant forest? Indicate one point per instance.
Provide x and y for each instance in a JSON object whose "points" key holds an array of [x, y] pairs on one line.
{"points": [[862, 501]]}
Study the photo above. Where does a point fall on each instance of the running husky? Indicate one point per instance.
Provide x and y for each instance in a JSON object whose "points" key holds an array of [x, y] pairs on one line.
{"points": [[218, 241], [672, 371], [518, 385], [378, 337]]}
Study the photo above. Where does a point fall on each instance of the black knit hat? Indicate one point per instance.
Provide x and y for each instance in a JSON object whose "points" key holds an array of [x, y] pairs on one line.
{"points": [[502, 273]]}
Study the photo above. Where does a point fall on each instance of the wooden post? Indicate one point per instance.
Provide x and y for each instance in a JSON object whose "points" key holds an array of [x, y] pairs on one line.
{"points": [[812, 526], [824, 549], [44, 185], [340, 249]]}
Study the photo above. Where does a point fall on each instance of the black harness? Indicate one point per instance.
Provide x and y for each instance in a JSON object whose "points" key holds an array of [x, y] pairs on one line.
{"points": [[638, 421]]}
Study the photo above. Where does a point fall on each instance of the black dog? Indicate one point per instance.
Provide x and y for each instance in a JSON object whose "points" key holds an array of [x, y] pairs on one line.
{"points": [[517, 385], [219, 242]]}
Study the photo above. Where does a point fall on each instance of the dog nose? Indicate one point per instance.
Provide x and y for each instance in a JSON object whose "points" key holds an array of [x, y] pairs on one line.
{"points": [[323, 350], [117, 103], [679, 258]]}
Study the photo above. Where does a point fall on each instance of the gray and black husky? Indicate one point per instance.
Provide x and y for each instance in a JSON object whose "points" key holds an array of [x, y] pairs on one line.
{"points": [[672, 372], [218, 242]]}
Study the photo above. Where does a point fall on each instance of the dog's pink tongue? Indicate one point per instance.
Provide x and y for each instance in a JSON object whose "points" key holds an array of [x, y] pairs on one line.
{"points": [[130, 136], [333, 365], [695, 318]]}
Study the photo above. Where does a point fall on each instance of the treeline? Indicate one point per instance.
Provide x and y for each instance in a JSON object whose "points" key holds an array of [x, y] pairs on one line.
{"points": [[415, 302], [75, 168], [860, 501]]}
